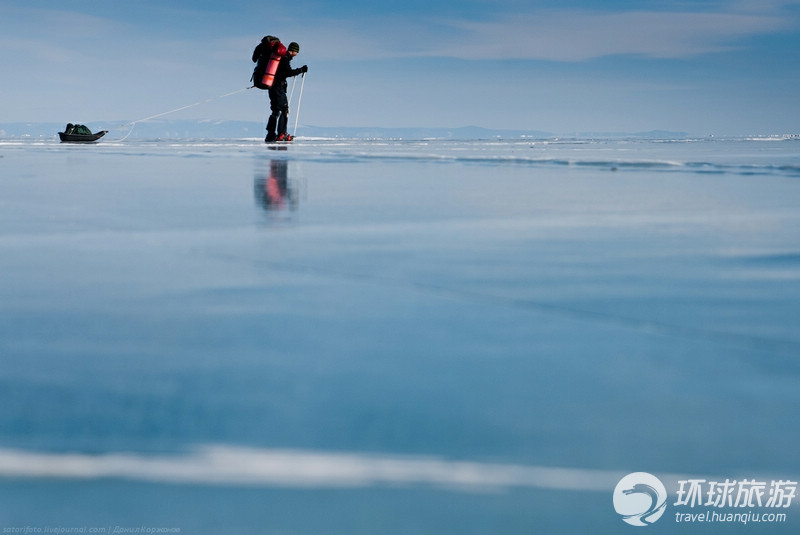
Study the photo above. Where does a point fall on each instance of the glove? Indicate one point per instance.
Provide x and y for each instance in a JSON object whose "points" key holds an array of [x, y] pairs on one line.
{"points": [[304, 68]]}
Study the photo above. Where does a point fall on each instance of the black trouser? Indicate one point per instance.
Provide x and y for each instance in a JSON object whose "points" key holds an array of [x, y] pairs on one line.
{"points": [[279, 106]]}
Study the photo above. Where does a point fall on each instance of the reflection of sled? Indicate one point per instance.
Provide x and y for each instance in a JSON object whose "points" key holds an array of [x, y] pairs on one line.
{"points": [[81, 138]]}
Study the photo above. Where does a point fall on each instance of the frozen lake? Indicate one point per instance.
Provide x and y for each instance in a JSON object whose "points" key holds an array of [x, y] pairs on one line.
{"points": [[394, 336]]}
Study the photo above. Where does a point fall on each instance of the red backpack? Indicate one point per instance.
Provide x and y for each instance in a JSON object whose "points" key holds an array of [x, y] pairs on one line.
{"points": [[267, 56]]}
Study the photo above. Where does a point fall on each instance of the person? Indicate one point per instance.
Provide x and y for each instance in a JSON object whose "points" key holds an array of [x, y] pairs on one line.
{"points": [[278, 101]]}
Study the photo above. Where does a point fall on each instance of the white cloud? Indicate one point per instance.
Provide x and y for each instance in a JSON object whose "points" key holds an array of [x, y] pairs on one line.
{"points": [[582, 35], [762, 6], [556, 35]]}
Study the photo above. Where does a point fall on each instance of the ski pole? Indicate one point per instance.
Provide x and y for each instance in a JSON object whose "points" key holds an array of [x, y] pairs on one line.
{"points": [[299, 100], [291, 93]]}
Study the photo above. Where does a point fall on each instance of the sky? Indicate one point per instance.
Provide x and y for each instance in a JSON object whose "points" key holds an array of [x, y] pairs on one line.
{"points": [[721, 67]]}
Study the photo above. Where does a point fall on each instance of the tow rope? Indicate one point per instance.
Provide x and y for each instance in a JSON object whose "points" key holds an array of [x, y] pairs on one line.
{"points": [[132, 124]]}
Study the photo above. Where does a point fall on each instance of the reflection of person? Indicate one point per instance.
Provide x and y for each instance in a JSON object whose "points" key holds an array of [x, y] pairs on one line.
{"points": [[272, 190], [278, 102]]}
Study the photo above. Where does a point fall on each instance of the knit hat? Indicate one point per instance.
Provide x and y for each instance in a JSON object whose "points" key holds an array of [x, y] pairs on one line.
{"points": [[293, 47]]}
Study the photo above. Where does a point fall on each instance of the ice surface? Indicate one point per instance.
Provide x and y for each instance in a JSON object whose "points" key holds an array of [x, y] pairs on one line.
{"points": [[597, 307]]}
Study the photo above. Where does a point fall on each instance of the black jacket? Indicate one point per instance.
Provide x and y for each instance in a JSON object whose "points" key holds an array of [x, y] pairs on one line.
{"points": [[277, 93], [285, 71]]}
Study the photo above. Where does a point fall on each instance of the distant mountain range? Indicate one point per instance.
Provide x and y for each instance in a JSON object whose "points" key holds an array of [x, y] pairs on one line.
{"points": [[193, 129]]}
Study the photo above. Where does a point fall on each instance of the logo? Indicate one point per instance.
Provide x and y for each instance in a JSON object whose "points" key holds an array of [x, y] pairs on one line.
{"points": [[640, 498]]}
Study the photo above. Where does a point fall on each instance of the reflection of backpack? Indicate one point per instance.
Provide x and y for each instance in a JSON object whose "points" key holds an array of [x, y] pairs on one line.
{"points": [[77, 129]]}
